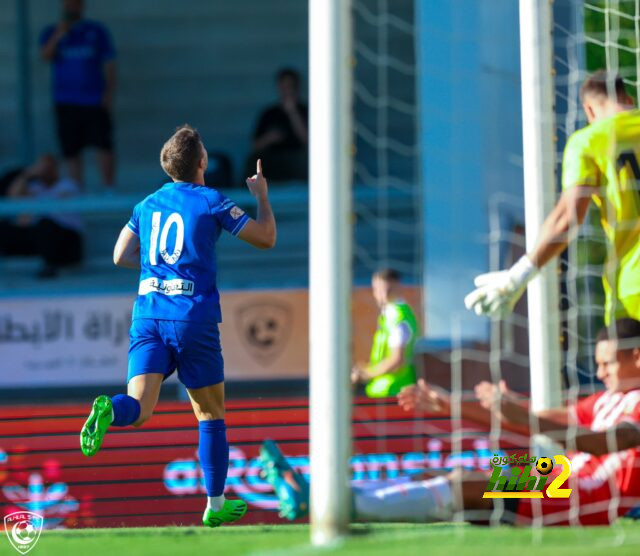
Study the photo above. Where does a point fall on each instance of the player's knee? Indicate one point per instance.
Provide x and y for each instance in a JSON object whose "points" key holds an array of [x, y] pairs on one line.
{"points": [[145, 415], [208, 408], [211, 414]]}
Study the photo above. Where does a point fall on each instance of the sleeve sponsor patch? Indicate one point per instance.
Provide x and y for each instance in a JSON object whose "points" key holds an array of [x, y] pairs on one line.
{"points": [[236, 212]]}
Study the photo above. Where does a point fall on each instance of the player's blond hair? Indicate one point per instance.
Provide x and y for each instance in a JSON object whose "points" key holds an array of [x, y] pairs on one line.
{"points": [[181, 154]]}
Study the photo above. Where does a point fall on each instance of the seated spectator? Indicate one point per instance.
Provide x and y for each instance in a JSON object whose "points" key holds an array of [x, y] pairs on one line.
{"points": [[280, 138], [56, 237]]}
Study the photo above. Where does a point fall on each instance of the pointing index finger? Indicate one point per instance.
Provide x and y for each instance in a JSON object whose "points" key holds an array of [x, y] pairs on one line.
{"points": [[259, 167]]}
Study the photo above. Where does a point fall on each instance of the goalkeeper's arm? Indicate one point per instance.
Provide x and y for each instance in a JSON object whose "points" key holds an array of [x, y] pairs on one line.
{"points": [[562, 224], [496, 293]]}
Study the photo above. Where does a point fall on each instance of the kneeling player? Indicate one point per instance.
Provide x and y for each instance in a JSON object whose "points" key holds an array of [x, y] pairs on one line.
{"points": [[171, 237], [605, 429]]}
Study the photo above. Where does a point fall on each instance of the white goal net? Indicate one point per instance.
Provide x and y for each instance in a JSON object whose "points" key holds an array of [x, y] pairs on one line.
{"points": [[585, 36]]}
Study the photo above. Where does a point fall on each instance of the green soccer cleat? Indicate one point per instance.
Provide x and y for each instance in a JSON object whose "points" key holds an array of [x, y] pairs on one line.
{"points": [[290, 486], [231, 511], [96, 426]]}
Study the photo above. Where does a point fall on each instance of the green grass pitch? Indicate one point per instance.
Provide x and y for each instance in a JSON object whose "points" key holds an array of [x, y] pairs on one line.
{"points": [[383, 539]]}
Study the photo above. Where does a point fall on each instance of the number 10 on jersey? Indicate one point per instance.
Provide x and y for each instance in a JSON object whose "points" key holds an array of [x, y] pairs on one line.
{"points": [[174, 218]]}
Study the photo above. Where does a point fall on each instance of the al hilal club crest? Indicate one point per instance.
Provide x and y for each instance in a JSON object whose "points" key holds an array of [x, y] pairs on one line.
{"points": [[23, 530]]}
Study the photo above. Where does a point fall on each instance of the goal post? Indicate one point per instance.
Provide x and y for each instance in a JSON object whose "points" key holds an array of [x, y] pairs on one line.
{"points": [[538, 146], [330, 147]]}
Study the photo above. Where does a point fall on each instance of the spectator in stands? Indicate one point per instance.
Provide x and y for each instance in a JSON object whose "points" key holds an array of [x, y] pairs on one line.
{"points": [[280, 138], [82, 55], [390, 367], [56, 237]]}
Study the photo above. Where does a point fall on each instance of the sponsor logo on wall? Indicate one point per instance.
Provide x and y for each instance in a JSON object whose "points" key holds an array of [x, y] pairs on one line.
{"points": [[84, 340], [265, 328]]}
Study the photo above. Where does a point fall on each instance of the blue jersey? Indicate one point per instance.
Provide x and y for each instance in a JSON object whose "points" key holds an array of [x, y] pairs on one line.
{"points": [[178, 227], [78, 73]]}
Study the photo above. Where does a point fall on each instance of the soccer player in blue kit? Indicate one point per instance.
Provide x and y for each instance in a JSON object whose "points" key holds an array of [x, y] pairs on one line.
{"points": [[171, 237]]}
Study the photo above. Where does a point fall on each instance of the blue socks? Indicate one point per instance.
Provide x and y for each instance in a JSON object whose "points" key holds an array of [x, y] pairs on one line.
{"points": [[213, 449], [126, 410], [214, 455]]}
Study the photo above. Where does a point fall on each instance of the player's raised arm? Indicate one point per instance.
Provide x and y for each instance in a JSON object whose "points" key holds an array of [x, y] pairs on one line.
{"points": [[260, 232], [592, 158], [497, 293], [561, 225], [126, 252], [555, 423]]}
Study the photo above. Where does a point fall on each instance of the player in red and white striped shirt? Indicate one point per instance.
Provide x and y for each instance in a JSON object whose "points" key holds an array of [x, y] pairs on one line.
{"points": [[601, 434], [605, 478]]}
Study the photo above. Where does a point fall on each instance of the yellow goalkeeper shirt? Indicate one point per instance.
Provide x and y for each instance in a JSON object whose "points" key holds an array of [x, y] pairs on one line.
{"points": [[606, 155]]}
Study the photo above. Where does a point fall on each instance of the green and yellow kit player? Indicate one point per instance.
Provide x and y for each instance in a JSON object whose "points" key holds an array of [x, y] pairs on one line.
{"points": [[390, 367]]}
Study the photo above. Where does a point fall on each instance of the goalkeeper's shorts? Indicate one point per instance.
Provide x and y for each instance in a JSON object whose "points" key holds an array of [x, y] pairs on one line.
{"points": [[164, 346]]}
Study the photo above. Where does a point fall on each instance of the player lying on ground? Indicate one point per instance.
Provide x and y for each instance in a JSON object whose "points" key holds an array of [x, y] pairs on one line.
{"points": [[603, 429], [171, 237], [600, 163]]}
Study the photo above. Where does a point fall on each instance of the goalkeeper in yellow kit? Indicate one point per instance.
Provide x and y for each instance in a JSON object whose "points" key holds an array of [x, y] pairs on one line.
{"points": [[601, 162]]}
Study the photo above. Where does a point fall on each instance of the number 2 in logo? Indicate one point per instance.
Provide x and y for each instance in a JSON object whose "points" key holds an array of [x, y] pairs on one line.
{"points": [[554, 490]]}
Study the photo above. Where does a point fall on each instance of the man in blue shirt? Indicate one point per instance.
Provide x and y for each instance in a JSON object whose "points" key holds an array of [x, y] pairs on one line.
{"points": [[171, 237], [82, 56]]}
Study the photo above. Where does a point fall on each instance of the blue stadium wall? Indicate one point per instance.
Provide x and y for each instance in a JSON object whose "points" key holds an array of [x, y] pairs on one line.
{"points": [[471, 146]]}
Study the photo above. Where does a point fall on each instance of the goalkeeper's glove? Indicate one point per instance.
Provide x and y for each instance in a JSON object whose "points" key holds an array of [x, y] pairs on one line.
{"points": [[497, 293]]}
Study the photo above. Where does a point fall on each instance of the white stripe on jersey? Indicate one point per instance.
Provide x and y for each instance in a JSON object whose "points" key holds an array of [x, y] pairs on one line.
{"points": [[605, 398], [605, 413], [606, 469], [631, 400], [608, 409]]}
